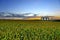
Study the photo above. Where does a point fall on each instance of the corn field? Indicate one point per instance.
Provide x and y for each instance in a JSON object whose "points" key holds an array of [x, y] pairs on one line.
{"points": [[29, 30]]}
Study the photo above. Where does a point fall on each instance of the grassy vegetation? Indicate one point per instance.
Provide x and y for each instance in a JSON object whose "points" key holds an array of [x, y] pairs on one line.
{"points": [[29, 30]]}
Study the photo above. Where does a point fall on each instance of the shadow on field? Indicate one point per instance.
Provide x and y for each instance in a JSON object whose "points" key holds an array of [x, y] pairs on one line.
{"points": [[56, 20], [29, 20]]}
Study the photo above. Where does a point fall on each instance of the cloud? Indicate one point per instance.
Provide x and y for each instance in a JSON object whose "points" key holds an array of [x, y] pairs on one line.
{"points": [[57, 12], [29, 15]]}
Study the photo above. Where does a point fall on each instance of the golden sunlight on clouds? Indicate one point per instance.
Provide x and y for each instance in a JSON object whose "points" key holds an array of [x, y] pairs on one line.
{"points": [[34, 18]]}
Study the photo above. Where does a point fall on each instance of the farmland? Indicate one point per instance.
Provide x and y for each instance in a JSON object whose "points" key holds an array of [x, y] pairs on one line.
{"points": [[29, 30]]}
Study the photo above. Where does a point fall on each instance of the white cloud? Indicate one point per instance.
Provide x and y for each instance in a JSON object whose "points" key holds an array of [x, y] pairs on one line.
{"points": [[29, 15]]}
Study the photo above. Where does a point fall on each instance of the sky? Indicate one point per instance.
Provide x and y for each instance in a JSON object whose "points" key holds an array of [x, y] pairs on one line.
{"points": [[40, 7]]}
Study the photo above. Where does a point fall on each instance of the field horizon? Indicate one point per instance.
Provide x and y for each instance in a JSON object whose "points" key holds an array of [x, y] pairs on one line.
{"points": [[30, 18]]}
